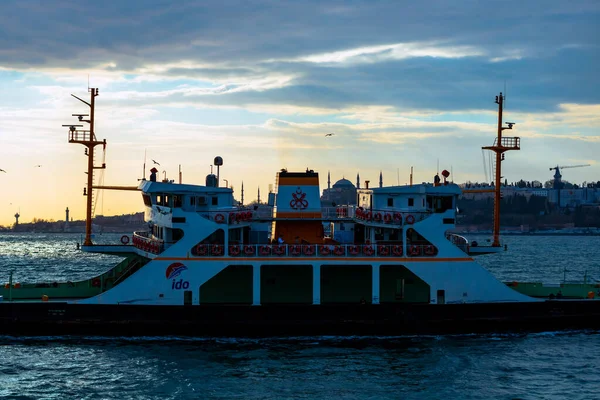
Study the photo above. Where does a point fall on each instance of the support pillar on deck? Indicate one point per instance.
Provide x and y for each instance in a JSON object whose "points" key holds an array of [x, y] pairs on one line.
{"points": [[316, 284], [375, 283], [256, 285]]}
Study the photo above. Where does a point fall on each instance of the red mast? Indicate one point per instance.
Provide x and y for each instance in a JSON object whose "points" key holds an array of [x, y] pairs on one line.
{"points": [[88, 139], [501, 144]]}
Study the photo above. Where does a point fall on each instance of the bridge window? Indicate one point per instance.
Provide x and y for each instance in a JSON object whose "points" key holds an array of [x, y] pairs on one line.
{"points": [[215, 201], [390, 202], [411, 202], [147, 200]]}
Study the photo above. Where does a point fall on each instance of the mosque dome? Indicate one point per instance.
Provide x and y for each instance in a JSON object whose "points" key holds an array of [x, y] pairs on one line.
{"points": [[344, 184]]}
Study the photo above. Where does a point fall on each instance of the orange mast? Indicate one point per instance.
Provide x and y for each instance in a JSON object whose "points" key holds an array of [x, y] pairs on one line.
{"points": [[501, 144], [88, 139]]}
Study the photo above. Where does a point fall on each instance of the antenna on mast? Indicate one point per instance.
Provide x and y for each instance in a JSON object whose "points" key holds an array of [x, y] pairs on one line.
{"points": [[144, 167]]}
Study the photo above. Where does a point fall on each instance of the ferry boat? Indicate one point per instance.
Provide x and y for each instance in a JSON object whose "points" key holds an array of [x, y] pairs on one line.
{"points": [[210, 266]]}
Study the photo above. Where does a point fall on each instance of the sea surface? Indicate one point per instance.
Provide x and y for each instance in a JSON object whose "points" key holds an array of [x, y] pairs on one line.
{"points": [[549, 365]]}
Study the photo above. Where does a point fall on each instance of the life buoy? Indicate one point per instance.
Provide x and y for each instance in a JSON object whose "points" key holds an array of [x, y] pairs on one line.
{"points": [[295, 250], [324, 250], [383, 250], [368, 251], [264, 250], [358, 213], [234, 250], [387, 218], [125, 239], [369, 215], [231, 217], [217, 250], [429, 250], [414, 250], [410, 219], [201, 249], [353, 250], [378, 216], [278, 250], [219, 218], [397, 217], [249, 250], [309, 250], [338, 250], [397, 250], [249, 215]]}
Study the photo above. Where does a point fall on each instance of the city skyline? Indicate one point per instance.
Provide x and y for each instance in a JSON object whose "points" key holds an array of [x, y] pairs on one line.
{"points": [[263, 84]]}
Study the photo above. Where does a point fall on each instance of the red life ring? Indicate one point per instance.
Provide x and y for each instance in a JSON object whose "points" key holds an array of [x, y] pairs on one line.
{"points": [[249, 250], [397, 250], [383, 250], [358, 213], [368, 250], [397, 217], [201, 249], [295, 250], [309, 250], [378, 217], [234, 250], [429, 250], [219, 218], [249, 215], [338, 250], [353, 250], [387, 218], [264, 250], [278, 250], [217, 250], [324, 250], [410, 219], [231, 217], [414, 250], [125, 239], [369, 216]]}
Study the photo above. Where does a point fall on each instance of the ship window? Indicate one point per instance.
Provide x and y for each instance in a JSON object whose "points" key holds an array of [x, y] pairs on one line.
{"points": [[177, 201], [192, 201], [159, 200], [390, 202], [411, 202], [179, 220], [215, 201], [147, 200]]}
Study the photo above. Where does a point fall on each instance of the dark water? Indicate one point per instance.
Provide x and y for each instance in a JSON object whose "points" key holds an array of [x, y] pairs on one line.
{"points": [[551, 365]]}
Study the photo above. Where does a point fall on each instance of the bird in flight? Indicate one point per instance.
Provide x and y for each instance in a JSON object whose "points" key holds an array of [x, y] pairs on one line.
{"points": [[1, 170], [329, 134], [37, 166], [155, 162]]}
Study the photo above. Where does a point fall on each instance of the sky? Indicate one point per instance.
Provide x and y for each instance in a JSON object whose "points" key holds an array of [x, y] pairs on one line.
{"points": [[260, 83]]}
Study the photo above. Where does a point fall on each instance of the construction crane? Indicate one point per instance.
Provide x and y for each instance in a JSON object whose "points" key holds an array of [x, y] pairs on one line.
{"points": [[569, 166], [558, 178]]}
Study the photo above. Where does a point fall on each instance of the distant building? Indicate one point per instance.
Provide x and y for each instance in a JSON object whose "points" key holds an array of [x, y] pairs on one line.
{"points": [[343, 192]]}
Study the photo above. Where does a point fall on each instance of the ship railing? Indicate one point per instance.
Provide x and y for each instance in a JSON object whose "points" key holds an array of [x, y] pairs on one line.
{"points": [[145, 242], [313, 250], [245, 215], [390, 217]]}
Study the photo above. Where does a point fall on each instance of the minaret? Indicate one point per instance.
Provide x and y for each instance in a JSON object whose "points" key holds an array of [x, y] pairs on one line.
{"points": [[67, 215], [17, 215], [242, 202], [328, 180], [258, 201], [380, 179], [357, 181]]}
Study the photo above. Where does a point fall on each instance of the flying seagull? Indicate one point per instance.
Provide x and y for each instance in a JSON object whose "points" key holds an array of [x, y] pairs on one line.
{"points": [[1, 170], [36, 166], [155, 162], [329, 134]]}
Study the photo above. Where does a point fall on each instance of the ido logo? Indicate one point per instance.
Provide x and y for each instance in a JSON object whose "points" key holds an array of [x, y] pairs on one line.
{"points": [[173, 271]]}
